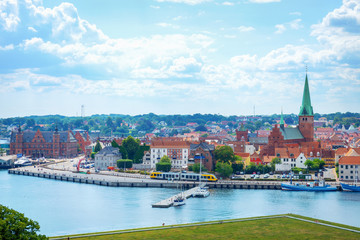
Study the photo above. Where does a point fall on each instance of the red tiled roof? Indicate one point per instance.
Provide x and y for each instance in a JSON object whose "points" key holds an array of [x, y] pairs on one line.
{"points": [[243, 155], [341, 151], [350, 160]]}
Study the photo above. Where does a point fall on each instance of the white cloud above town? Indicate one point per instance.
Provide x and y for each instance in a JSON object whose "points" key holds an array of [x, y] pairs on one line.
{"points": [[80, 58]]}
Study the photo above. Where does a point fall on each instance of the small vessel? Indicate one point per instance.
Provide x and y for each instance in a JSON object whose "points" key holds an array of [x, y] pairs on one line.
{"points": [[354, 187], [22, 162], [201, 193], [316, 186], [179, 201], [351, 188]]}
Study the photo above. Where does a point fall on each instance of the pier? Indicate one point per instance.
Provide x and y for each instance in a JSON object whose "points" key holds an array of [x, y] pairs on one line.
{"points": [[170, 201]]}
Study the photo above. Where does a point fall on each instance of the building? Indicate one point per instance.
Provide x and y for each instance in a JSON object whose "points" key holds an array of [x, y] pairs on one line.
{"points": [[349, 168], [204, 152], [49, 144], [107, 157], [177, 150], [7, 161], [301, 136], [84, 142]]}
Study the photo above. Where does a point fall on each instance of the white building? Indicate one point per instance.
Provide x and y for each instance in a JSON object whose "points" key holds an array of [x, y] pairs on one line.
{"points": [[349, 167], [290, 158], [107, 157], [177, 150]]}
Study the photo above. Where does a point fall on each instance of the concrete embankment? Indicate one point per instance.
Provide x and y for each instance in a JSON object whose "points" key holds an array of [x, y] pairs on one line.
{"points": [[116, 181]]}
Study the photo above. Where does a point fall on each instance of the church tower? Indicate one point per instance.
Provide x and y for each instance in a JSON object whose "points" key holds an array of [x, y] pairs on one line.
{"points": [[306, 115]]}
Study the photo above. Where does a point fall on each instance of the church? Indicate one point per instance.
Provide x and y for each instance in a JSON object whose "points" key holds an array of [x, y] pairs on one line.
{"points": [[295, 139]]}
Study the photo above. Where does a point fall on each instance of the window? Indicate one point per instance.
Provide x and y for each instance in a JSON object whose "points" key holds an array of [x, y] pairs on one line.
{"points": [[351, 166], [341, 166]]}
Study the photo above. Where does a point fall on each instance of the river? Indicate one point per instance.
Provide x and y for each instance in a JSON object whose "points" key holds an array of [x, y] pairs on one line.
{"points": [[69, 208]]}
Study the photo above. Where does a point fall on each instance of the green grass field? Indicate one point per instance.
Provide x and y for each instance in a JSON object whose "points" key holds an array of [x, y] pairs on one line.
{"points": [[270, 228]]}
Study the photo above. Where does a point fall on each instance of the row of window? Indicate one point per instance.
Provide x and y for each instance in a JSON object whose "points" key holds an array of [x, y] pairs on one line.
{"points": [[347, 166]]}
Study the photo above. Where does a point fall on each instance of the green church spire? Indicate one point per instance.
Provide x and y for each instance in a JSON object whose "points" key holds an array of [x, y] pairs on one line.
{"points": [[282, 119], [306, 108]]}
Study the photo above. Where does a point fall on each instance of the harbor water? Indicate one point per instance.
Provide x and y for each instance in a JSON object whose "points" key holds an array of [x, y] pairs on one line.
{"points": [[69, 208]]}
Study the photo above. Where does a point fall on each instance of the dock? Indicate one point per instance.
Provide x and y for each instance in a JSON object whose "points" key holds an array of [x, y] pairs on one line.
{"points": [[170, 201]]}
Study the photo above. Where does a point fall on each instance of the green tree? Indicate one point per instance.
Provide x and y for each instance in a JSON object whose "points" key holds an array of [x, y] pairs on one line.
{"points": [[131, 145], [14, 225], [200, 128], [164, 165], [237, 166], [30, 123], [97, 147], [296, 170], [273, 163], [124, 163], [196, 168], [309, 164], [140, 153], [251, 168], [224, 154], [224, 169]]}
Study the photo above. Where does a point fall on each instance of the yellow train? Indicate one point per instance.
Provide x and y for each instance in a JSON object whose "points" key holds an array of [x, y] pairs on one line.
{"points": [[183, 176]]}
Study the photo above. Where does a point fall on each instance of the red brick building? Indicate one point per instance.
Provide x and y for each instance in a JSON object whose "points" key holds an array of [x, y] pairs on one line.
{"points": [[84, 142], [49, 144], [204, 152]]}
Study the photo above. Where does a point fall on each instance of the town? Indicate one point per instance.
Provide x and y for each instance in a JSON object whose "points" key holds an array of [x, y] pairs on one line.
{"points": [[228, 146]]}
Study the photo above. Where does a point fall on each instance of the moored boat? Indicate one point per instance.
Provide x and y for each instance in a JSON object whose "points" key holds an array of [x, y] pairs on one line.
{"points": [[351, 188], [201, 193], [316, 186], [179, 201]]}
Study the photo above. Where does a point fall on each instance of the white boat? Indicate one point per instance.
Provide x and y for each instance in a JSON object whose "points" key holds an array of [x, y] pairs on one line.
{"points": [[179, 201], [22, 162], [201, 193]]}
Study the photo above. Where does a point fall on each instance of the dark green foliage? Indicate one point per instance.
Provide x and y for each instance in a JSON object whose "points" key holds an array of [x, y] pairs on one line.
{"points": [[237, 166], [124, 163], [196, 168], [92, 155], [224, 169], [200, 128], [274, 161], [163, 167], [315, 164], [131, 145], [97, 147], [224, 154], [140, 153], [257, 168], [14, 226], [145, 125]]}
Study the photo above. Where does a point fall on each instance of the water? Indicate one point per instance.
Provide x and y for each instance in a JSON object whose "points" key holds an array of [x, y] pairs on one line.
{"points": [[69, 208]]}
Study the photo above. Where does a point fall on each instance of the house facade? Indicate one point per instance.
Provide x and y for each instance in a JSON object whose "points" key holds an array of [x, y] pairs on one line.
{"points": [[107, 157], [349, 167]]}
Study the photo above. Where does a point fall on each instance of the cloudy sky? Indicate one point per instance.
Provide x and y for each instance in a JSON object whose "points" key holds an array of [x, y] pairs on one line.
{"points": [[178, 56]]}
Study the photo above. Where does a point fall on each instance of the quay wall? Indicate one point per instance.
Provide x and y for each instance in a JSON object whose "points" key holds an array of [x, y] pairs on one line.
{"points": [[88, 179]]}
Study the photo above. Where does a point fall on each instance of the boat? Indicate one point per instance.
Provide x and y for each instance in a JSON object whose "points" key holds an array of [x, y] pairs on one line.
{"points": [[201, 193], [179, 201], [354, 187], [351, 188], [22, 162], [316, 186]]}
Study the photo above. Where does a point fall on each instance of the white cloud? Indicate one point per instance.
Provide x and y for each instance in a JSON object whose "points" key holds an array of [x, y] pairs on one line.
{"points": [[9, 18], [190, 2], [165, 25], [295, 13], [228, 4], [245, 29], [264, 1], [32, 29], [280, 28], [7, 47], [295, 24]]}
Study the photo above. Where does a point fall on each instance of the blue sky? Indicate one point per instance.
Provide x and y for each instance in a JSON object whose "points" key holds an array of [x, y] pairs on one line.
{"points": [[178, 56]]}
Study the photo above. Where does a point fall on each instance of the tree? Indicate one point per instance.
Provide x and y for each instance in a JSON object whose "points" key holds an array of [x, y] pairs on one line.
{"points": [[14, 225], [140, 153], [251, 168], [200, 128], [124, 163], [273, 163], [30, 123], [196, 168], [224, 154], [131, 145], [224, 169], [309, 164], [237, 166], [97, 147], [296, 170], [164, 165]]}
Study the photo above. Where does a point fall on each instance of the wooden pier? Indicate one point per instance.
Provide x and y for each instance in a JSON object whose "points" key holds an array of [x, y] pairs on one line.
{"points": [[170, 201]]}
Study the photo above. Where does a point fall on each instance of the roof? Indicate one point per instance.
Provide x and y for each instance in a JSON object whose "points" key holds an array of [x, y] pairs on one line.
{"points": [[156, 143], [28, 136], [205, 146], [341, 151], [291, 133], [243, 155], [268, 159], [350, 160], [306, 108], [108, 150]]}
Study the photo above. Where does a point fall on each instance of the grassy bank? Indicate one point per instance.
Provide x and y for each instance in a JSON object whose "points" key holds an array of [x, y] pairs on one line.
{"points": [[272, 227]]}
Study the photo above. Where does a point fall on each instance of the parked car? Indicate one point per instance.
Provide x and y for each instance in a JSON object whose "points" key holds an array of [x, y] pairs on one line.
{"points": [[252, 175], [266, 175]]}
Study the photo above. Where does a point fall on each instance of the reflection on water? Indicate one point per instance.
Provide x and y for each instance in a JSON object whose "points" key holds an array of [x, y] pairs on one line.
{"points": [[65, 208]]}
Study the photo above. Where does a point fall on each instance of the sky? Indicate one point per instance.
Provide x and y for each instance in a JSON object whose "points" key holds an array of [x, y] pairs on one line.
{"points": [[235, 57]]}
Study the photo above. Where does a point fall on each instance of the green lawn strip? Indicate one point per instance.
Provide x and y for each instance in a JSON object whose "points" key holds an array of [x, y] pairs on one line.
{"points": [[323, 221], [269, 228], [277, 228]]}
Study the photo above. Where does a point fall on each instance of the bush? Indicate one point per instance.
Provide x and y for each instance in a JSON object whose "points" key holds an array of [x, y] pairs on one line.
{"points": [[163, 167], [127, 163]]}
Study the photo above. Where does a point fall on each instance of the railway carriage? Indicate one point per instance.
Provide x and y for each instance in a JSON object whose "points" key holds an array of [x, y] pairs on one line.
{"points": [[205, 177]]}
